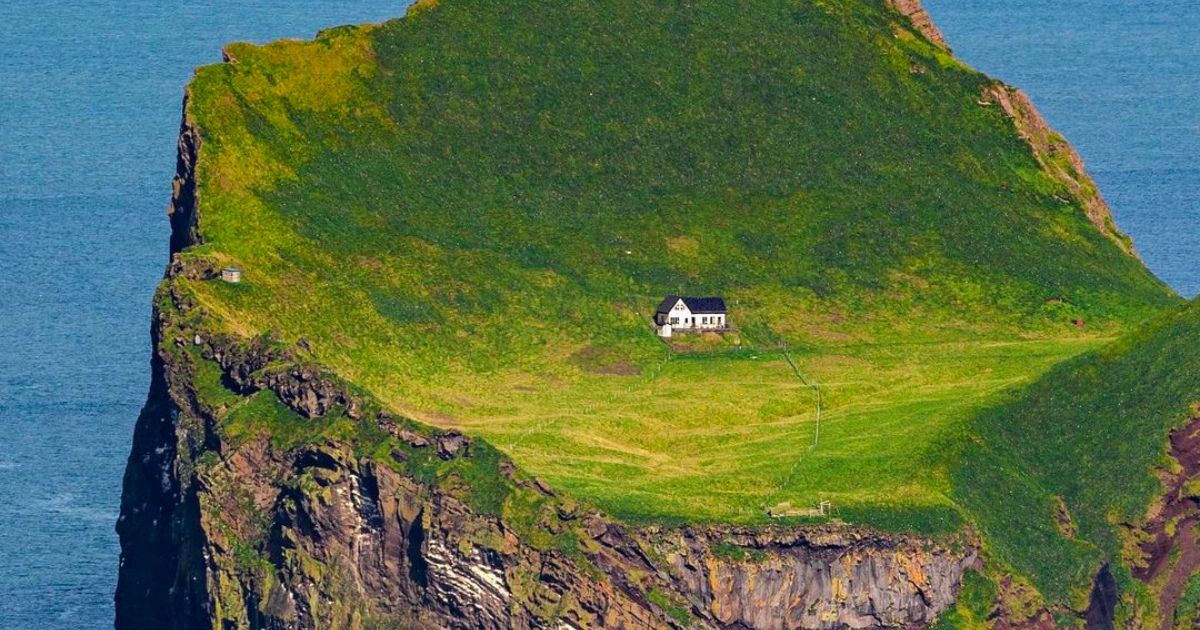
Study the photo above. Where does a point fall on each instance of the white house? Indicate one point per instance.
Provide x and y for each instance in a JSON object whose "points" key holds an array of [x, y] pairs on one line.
{"points": [[679, 313]]}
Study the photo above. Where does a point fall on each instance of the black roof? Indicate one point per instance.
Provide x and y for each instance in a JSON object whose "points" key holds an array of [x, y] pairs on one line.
{"points": [[698, 305]]}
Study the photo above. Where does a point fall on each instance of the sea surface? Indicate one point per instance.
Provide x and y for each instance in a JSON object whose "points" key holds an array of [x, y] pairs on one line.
{"points": [[90, 97], [1121, 80], [89, 109]]}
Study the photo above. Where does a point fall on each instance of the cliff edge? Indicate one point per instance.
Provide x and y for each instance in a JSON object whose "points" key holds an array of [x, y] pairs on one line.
{"points": [[263, 493]]}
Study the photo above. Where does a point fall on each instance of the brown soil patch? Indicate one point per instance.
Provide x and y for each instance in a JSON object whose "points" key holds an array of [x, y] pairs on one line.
{"points": [[367, 263], [1173, 525], [1062, 518], [603, 361]]}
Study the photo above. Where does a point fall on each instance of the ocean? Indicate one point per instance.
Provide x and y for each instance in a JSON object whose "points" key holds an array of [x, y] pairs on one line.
{"points": [[1121, 80], [90, 96], [89, 108]]}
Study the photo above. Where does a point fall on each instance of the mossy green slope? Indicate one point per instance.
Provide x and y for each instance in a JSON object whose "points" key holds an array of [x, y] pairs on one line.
{"points": [[469, 213], [1091, 433]]}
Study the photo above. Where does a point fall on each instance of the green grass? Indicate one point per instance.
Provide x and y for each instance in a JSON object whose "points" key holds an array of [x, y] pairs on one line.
{"points": [[739, 429], [1091, 431], [263, 413], [469, 214], [478, 240], [1187, 612], [976, 601]]}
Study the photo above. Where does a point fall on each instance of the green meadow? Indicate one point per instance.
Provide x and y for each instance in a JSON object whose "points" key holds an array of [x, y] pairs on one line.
{"points": [[1090, 433], [470, 213], [724, 436]]}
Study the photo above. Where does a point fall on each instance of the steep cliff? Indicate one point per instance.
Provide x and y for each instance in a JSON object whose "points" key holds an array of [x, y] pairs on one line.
{"points": [[921, 20], [264, 493], [1057, 157], [1093, 467], [775, 579], [448, 225], [230, 522]]}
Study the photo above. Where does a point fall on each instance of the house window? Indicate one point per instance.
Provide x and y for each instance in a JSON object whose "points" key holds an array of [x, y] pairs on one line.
{"points": [[705, 320], [674, 320]]}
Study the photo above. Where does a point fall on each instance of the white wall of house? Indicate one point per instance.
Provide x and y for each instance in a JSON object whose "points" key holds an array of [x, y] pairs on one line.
{"points": [[682, 317]]}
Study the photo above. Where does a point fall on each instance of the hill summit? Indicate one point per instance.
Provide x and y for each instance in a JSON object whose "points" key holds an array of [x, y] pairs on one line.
{"points": [[472, 212]]}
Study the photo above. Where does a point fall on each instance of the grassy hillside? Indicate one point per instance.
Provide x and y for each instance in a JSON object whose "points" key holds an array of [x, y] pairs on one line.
{"points": [[1090, 432], [470, 213]]}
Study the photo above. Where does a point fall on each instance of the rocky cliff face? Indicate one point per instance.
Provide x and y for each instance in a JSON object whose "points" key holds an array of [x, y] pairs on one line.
{"points": [[1058, 158], [819, 578], [185, 199], [355, 544], [915, 11], [370, 521]]}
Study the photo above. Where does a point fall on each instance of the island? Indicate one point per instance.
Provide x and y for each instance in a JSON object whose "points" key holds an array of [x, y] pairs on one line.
{"points": [[409, 368]]}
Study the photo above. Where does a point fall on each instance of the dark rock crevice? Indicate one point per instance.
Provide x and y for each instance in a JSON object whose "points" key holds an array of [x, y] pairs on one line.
{"points": [[418, 567], [1102, 603], [159, 525], [185, 200]]}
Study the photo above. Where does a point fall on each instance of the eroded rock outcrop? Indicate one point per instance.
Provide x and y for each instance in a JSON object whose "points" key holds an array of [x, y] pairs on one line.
{"points": [[1057, 157], [921, 20], [777, 579]]}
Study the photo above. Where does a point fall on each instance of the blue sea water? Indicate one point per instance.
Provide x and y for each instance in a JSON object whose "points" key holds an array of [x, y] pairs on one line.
{"points": [[1121, 80], [89, 108], [90, 94]]}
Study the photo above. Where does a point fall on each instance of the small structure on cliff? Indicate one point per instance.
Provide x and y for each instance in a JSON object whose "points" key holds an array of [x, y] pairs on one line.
{"points": [[823, 507], [232, 274]]}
